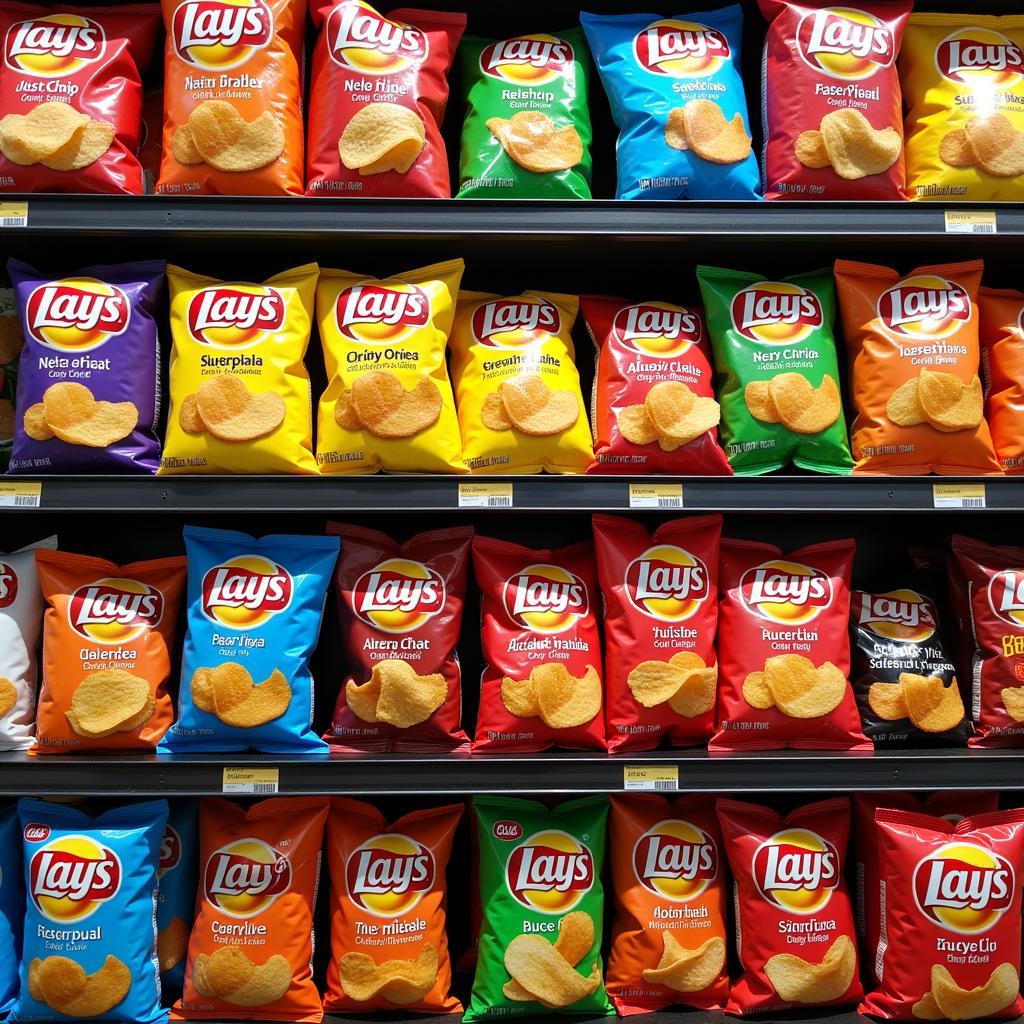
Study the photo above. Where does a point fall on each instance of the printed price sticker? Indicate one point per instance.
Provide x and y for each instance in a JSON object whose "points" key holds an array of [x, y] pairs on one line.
{"points": [[259, 781], [21, 493], [14, 215], [484, 495], [650, 778], [958, 495], [655, 495], [971, 222]]}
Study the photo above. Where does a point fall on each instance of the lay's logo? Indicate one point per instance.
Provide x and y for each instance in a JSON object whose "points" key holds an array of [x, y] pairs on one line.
{"points": [[1006, 596], [964, 887], [219, 35], [902, 615], [657, 329], [170, 852], [514, 323], [927, 307], [972, 56], [53, 45], [786, 592], [235, 316], [776, 312], [76, 314], [845, 43], [246, 591], [797, 870], [360, 38], [72, 877], [8, 585], [398, 595], [381, 315], [527, 60], [545, 598], [667, 583], [245, 877], [550, 872], [115, 610], [676, 860], [388, 875], [680, 49]]}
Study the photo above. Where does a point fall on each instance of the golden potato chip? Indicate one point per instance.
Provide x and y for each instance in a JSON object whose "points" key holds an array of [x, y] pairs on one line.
{"points": [[692, 971], [696, 696], [267, 984], [26, 138], [399, 159], [544, 972], [65, 987], [67, 404], [948, 403], [713, 138], [675, 129], [266, 701], [687, 659], [188, 416], [141, 718], [904, 405], [8, 695], [230, 685], [345, 414], [1013, 701], [927, 1009], [535, 409], [575, 936], [172, 943], [635, 425], [955, 149], [887, 701], [519, 697], [184, 146], [802, 408], [758, 398], [653, 682], [260, 144], [678, 414], [957, 1003], [105, 702], [514, 991], [35, 424], [406, 698], [856, 149], [810, 150], [756, 692], [85, 146], [797, 981], [214, 126], [399, 981], [107, 423], [201, 688], [492, 413], [33, 979], [232, 413], [375, 134], [387, 410], [932, 707], [227, 970], [564, 700], [997, 146], [362, 698], [802, 691], [531, 139]]}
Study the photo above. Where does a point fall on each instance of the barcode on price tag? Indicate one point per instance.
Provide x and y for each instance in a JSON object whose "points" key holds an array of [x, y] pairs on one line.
{"points": [[21, 493], [655, 778], [958, 495], [655, 495], [484, 495], [971, 222], [256, 781], [13, 215]]}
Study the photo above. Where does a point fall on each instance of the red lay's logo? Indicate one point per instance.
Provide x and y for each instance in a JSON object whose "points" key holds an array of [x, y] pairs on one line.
{"points": [[527, 60], [398, 595], [246, 591], [785, 592], [980, 57], [845, 43], [797, 870], [964, 887], [680, 49], [902, 615], [550, 872], [53, 45], [657, 329], [667, 583], [8, 585], [170, 852], [389, 875], [776, 312], [115, 610], [360, 38], [235, 316], [927, 307], [381, 315], [515, 323], [76, 314], [676, 860], [1006, 596], [72, 877], [545, 598], [245, 877], [218, 34]]}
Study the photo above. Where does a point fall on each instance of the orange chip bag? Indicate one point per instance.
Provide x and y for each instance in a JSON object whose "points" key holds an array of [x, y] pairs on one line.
{"points": [[914, 355], [389, 949], [251, 945], [1002, 358], [107, 636], [233, 98]]}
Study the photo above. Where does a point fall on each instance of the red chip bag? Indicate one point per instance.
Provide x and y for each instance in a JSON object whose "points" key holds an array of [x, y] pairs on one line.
{"points": [[71, 96], [833, 112], [541, 683], [639, 346], [1002, 359], [951, 917], [400, 612], [377, 97], [661, 609], [784, 653], [794, 921]]}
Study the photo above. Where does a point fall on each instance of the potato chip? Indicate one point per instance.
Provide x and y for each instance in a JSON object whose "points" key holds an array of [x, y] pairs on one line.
{"points": [[184, 146], [575, 936], [106, 701], [107, 423], [635, 425], [955, 150], [904, 405], [564, 700], [267, 983], [267, 700], [927, 1009], [932, 707], [713, 138], [519, 697], [345, 414], [758, 398], [387, 410], [949, 404], [855, 149], [675, 129], [230, 685], [201, 686], [85, 146], [492, 413], [399, 159], [399, 981], [687, 659], [538, 967], [532, 140], [67, 404], [997, 146], [696, 695], [406, 698], [172, 944], [226, 971], [810, 150], [1013, 700], [65, 987], [26, 138], [260, 144], [986, 1000], [653, 682], [231, 412], [376, 131], [692, 970], [887, 701], [535, 409], [802, 408], [756, 692], [798, 981], [802, 691], [362, 698], [8, 695], [678, 414], [188, 416]]}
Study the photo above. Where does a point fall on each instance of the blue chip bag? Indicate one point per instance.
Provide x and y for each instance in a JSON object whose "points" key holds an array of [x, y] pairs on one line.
{"points": [[12, 906], [254, 611], [676, 94], [90, 888], [176, 898]]}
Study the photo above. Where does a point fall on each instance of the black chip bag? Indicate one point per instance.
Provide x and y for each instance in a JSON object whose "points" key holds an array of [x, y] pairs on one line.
{"points": [[902, 674]]}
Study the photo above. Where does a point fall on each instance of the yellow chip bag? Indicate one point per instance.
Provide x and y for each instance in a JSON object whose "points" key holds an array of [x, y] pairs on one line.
{"points": [[240, 398], [520, 405], [388, 403], [963, 83]]}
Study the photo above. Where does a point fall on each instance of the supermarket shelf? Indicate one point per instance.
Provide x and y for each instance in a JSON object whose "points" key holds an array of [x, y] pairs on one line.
{"points": [[556, 772], [530, 493]]}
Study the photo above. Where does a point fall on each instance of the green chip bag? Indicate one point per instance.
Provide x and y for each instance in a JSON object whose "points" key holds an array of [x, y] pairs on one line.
{"points": [[542, 906], [527, 129], [778, 375]]}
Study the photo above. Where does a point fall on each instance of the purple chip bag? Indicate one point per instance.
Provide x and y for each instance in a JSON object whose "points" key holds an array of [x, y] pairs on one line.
{"points": [[95, 329]]}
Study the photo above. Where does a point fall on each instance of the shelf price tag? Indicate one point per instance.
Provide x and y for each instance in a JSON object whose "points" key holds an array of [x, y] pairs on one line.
{"points": [[958, 496], [655, 495], [259, 781], [657, 778], [21, 493], [971, 222], [484, 495], [14, 215]]}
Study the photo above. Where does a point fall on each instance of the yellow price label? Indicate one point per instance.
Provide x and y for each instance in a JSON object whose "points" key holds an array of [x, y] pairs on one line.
{"points": [[650, 777], [250, 780], [484, 495], [971, 222], [14, 214], [21, 493], [958, 496], [655, 495]]}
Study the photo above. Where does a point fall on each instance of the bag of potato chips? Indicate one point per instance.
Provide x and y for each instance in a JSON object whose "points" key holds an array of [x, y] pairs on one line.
{"points": [[240, 399], [963, 85], [108, 634], [233, 98], [543, 908], [778, 373], [913, 348], [378, 92], [388, 403], [527, 129], [518, 390], [676, 93], [389, 947], [71, 96], [176, 896], [251, 948], [12, 906], [1001, 331]]}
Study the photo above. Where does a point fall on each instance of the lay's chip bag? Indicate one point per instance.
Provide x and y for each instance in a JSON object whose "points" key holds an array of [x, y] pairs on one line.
{"points": [[254, 611], [389, 948], [12, 905], [90, 886], [516, 383], [778, 372], [71, 96], [543, 908], [233, 98], [527, 130], [240, 398], [176, 897], [1001, 327], [914, 358], [676, 93], [107, 640], [388, 402], [377, 96], [963, 85], [251, 948]]}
